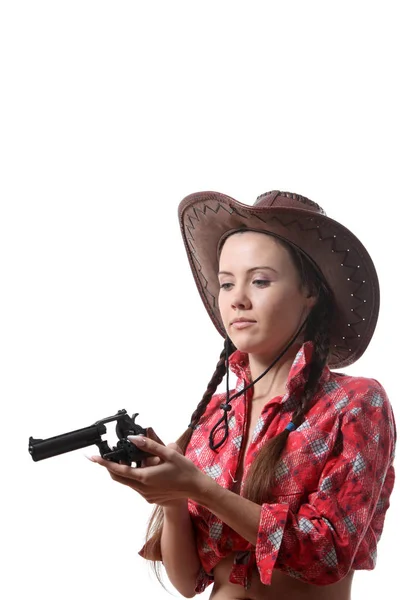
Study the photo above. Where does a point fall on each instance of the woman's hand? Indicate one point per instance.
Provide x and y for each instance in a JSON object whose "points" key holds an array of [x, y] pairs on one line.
{"points": [[151, 461], [174, 478]]}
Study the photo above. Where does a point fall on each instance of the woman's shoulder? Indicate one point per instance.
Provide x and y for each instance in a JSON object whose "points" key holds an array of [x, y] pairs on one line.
{"points": [[364, 396], [357, 385]]}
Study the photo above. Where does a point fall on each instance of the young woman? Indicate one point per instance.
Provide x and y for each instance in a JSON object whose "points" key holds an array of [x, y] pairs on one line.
{"points": [[279, 488]]}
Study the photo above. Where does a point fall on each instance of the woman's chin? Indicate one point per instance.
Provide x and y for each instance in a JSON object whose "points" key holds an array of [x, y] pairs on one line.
{"points": [[247, 346]]}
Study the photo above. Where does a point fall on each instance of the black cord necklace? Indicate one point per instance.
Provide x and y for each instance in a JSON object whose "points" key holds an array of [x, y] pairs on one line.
{"points": [[226, 407]]}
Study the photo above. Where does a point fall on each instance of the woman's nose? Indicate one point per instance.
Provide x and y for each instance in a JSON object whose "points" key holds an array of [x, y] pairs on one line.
{"points": [[240, 300]]}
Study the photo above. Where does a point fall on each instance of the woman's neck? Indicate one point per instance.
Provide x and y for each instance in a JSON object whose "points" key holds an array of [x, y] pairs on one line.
{"points": [[274, 382]]}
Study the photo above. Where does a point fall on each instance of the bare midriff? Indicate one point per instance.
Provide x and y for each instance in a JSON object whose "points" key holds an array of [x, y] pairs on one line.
{"points": [[283, 587]]}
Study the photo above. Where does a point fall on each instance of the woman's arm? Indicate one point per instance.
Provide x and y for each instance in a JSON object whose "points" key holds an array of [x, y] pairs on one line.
{"points": [[240, 514], [178, 548], [342, 518], [320, 540], [178, 543]]}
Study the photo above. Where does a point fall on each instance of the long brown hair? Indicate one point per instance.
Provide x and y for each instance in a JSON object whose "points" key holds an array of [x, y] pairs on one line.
{"points": [[261, 474]]}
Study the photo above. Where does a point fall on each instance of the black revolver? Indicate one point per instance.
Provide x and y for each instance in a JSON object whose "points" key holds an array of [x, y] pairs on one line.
{"points": [[124, 451]]}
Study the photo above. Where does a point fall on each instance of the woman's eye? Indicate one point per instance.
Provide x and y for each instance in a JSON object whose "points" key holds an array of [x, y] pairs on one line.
{"points": [[261, 282], [226, 286]]}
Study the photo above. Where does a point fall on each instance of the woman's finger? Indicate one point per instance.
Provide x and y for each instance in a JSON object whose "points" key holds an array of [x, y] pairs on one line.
{"points": [[152, 447], [151, 461], [134, 485], [118, 469], [175, 447]]}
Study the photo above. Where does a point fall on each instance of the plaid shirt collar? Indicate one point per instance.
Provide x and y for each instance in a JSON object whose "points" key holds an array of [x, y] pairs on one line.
{"points": [[239, 365]]}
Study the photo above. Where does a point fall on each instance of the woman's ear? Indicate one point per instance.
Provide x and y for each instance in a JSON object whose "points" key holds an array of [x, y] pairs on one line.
{"points": [[311, 300]]}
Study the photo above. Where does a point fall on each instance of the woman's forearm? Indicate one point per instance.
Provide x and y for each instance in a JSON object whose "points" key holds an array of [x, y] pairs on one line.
{"points": [[178, 549], [240, 514]]}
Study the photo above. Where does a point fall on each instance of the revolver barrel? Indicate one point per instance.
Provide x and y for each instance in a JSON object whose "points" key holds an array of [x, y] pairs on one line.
{"points": [[59, 444]]}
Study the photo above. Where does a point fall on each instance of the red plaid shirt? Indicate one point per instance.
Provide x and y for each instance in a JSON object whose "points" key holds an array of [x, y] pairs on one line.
{"points": [[333, 481]]}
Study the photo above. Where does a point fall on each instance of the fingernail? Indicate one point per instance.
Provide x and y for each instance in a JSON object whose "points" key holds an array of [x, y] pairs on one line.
{"points": [[91, 458], [137, 440]]}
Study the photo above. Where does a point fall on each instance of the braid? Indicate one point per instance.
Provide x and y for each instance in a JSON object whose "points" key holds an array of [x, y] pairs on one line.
{"points": [[220, 371], [318, 330], [152, 547], [261, 475]]}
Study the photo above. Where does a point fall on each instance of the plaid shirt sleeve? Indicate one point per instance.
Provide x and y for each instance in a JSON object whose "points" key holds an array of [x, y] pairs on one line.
{"points": [[333, 531]]}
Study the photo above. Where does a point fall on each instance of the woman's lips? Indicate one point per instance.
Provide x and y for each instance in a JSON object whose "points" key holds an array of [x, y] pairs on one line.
{"points": [[242, 324]]}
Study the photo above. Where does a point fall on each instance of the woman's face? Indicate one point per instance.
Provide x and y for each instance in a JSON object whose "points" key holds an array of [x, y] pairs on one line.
{"points": [[260, 287]]}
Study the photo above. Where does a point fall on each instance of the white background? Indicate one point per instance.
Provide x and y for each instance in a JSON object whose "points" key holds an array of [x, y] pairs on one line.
{"points": [[111, 113]]}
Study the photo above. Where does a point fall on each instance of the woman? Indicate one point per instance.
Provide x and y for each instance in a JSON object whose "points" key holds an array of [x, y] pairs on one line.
{"points": [[279, 488]]}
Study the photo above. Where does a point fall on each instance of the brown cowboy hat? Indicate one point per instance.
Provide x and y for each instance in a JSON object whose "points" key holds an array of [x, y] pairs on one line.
{"points": [[205, 217]]}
